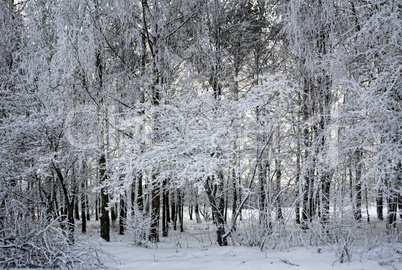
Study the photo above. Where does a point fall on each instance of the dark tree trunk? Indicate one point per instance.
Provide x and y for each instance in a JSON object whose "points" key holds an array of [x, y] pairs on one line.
{"points": [[392, 210], [123, 213], [234, 205], [76, 210], [83, 212], [155, 213], [190, 211], [70, 219], [358, 211], [197, 210], [140, 195], [325, 189], [165, 207], [394, 200], [400, 205], [68, 206], [263, 183], [173, 210], [305, 208], [215, 197], [180, 209], [97, 207], [367, 206], [380, 205], [298, 188], [278, 189], [87, 208], [104, 213]]}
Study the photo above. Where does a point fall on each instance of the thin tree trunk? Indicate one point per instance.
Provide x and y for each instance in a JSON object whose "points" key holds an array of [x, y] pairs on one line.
{"points": [[367, 206], [97, 207], [278, 190], [173, 210], [306, 111], [165, 207], [380, 204], [358, 211], [180, 209], [392, 209], [104, 213], [70, 219], [68, 206], [87, 208], [197, 210], [83, 210], [190, 210], [263, 183], [155, 213], [123, 213], [113, 215], [234, 205], [76, 209], [217, 205]]}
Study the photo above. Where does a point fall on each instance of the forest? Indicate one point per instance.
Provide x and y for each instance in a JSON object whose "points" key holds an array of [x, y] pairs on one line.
{"points": [[277, 121]]}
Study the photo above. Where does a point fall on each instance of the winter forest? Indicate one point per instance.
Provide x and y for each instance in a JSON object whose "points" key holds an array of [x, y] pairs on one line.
{"points": [[275, 124]]}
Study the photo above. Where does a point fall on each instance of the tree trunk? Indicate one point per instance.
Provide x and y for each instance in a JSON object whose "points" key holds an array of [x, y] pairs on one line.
{"points": [[173, 210], [234, 205], [87, 208], [263, 192], [76, 210], [104, 213], [217, 204], [190, 210], [380, 204], [180, 209], [70, 220], [165, 208], [83, 210], [197, 210], [113, 215], [68, 206], [308, 181], [123, 213], [358, 209], [278, 190], [155, 213], [97, 207], [392, 210]]}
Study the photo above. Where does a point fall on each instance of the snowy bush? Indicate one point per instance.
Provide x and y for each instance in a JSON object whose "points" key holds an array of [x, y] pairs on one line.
{"points": [[137, 226], [251, 232], [35, 241]]}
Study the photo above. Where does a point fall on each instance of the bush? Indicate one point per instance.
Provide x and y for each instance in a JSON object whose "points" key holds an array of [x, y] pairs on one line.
{"points": [[36, 241]]}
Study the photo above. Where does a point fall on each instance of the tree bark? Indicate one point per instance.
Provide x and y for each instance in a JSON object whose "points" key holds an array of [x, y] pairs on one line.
{"points": [[83, 209], [358, 209], [123, 213], [217, 205], [155, 213], [380, 206], [104, 213], [165, 209]]}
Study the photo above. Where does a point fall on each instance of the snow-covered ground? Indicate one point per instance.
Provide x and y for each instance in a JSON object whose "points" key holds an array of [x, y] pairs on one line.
{"points": [[194, 249]]}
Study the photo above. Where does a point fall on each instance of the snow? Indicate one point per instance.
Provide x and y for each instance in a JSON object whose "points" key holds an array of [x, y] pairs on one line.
{"points": [[129, 257], [195, 249]]}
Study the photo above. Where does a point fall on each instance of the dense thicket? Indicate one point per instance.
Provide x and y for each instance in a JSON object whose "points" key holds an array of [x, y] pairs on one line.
{"points": [[135, 110]]}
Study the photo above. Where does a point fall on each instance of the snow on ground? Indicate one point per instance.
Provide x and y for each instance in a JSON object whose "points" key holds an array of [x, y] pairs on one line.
{"points": [[194, 249]]}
